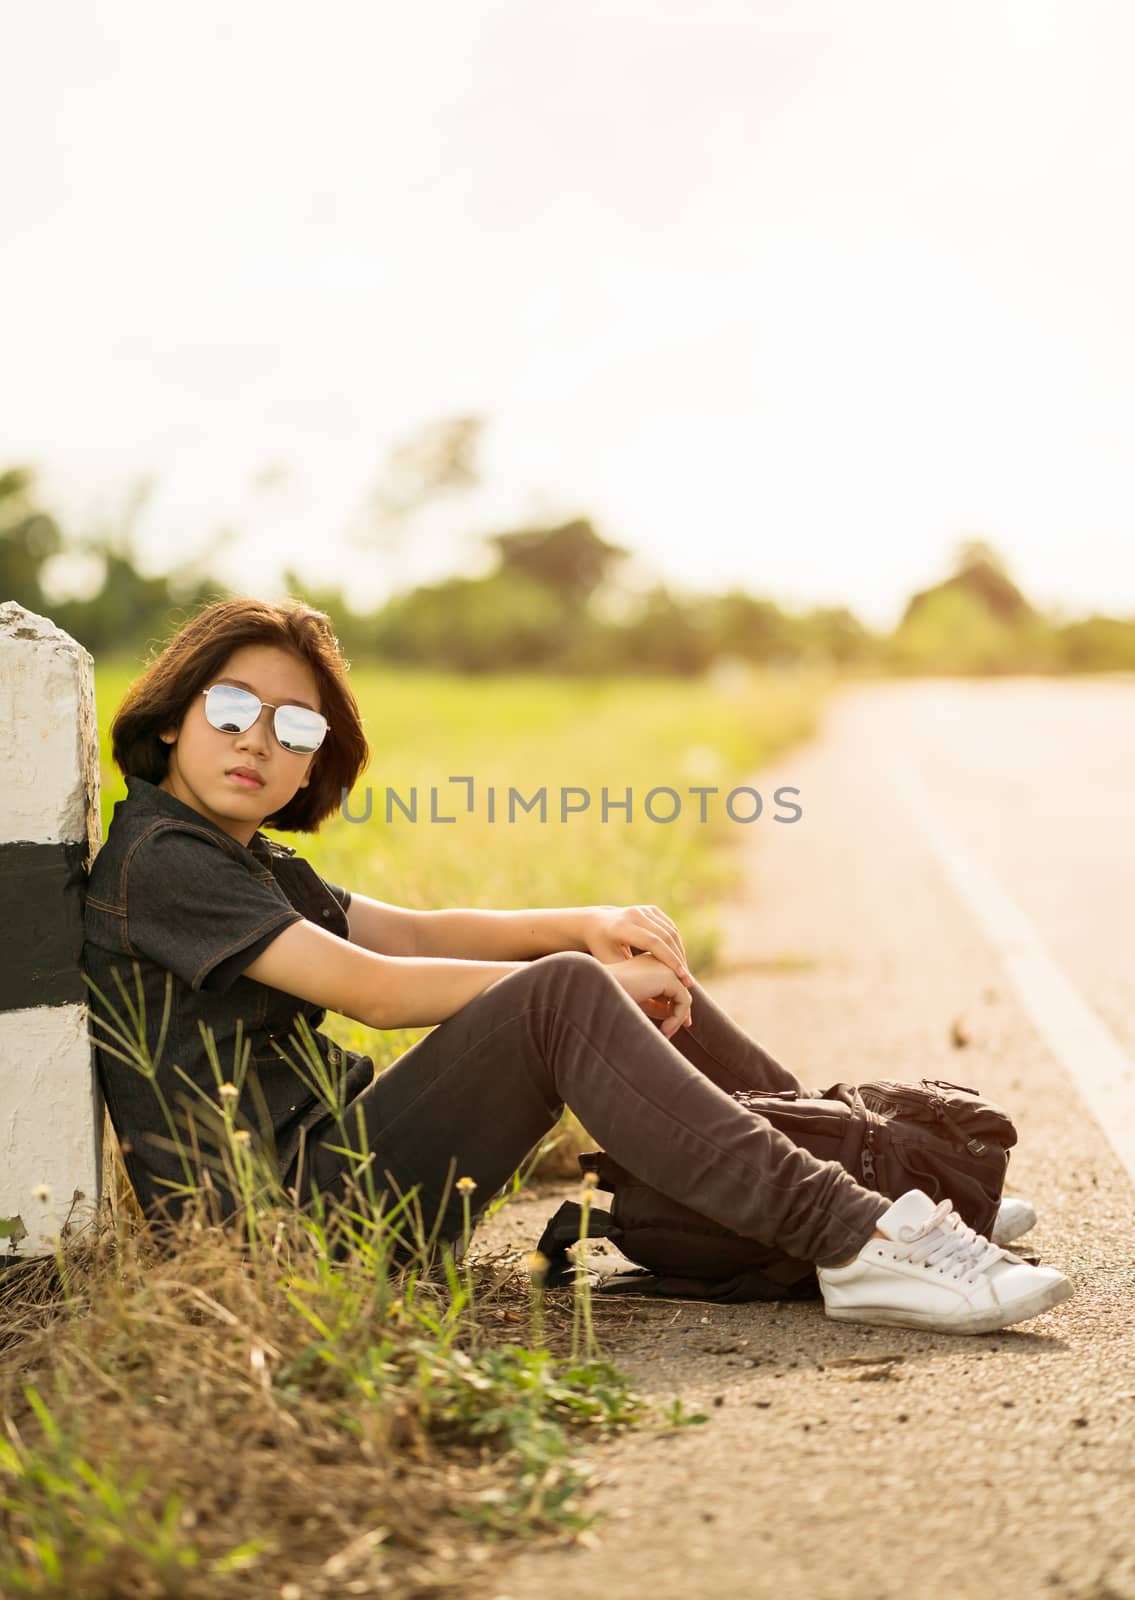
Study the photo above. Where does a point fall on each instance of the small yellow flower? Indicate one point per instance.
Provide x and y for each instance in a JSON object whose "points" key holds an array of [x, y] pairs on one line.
{"points": [[42, 1192], [243, 1135], [536, 1260], [588, 1196], [229, 1091], [466, 1185], [590, 1178]]}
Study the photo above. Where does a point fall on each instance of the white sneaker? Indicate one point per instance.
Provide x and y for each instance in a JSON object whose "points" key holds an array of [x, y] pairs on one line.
{"points": [[1014, 1217], [932, 1271]]}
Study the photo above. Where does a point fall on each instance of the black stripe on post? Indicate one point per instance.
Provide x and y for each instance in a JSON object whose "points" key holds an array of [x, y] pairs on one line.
{"points": [[42, 887]]}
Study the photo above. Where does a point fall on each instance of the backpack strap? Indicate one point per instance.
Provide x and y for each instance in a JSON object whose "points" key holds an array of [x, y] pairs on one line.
{"points": [[750, 1285], [563, 1228], [851, 1153]]}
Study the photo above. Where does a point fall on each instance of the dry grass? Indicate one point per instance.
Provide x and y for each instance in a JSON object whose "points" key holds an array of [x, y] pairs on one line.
{"points": [[187, 1414]]}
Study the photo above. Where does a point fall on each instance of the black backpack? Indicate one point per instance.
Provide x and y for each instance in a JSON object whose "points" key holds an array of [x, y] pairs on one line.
{"points": [[939, 1137]]}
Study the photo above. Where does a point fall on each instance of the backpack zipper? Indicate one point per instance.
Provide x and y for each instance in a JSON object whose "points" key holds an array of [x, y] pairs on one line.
{"points": [[868, 1156], [894, 1092], [974, 1145]]}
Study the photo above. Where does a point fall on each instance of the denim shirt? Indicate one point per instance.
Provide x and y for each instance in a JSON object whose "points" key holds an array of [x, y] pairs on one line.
{"points": [[173, 893]]}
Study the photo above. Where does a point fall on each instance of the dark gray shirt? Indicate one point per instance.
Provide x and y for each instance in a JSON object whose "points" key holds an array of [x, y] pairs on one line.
{"points": [[175, 905]]}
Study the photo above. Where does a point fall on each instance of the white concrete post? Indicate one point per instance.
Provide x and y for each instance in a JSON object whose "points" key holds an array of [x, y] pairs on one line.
{"points": [[51, 1105]]}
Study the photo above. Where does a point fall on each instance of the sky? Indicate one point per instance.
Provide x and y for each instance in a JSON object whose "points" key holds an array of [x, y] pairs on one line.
{"points": [[793, 296]]}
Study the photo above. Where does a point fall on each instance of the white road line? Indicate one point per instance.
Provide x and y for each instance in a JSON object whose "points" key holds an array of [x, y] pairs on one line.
{"points": [[1089, 1052]]}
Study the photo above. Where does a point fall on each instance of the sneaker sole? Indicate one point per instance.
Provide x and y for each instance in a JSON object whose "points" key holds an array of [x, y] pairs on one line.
{"points": [[975, 1322]]}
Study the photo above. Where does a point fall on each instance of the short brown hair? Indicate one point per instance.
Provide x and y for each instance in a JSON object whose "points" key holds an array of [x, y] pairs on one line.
{"points": [[191, 660]]}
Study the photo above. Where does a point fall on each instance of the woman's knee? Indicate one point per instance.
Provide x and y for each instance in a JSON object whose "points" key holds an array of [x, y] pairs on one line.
{"points": [[574, 966], [571, 972]]}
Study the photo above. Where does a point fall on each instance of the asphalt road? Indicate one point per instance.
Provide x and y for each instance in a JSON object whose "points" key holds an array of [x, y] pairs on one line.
{"points": [[956, 901]]}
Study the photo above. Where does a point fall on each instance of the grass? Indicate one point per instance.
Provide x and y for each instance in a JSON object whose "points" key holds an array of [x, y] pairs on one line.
{"points": [[327, 1402]]}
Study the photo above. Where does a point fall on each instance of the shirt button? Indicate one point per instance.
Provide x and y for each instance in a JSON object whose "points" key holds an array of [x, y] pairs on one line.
{"points": [[326, 912]]}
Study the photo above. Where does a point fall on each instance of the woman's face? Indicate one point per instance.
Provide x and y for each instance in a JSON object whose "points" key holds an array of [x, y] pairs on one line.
{"points": [[201, 757]]}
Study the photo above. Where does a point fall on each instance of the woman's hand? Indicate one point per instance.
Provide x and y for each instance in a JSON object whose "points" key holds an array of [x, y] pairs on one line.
{"points": [[656, 989], [613, 933]]}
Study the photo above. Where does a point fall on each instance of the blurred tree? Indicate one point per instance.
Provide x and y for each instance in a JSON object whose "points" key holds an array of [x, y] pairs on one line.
{"points": [[741, 624], [29, 536], [835, 634], [488, 624], [132, 607], [122, 607], [545, 606], [1096, 643], [397, 526], [438, 459], [953, 630], [667, 635], [980, 573], [356, 634], [571, 559], [594, 645]]}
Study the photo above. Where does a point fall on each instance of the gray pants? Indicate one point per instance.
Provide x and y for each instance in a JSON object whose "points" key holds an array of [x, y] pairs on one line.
{"points": [[473, 1098]]}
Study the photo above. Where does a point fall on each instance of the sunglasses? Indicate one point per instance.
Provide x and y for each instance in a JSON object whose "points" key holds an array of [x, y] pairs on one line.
{"points": [[233, 710]]}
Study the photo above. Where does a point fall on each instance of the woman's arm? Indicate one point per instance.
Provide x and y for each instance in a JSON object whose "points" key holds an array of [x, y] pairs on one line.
{"points": [[382, 928], [477, 935], [610, 933], [467, 935], [380, 991], [409, 992]]}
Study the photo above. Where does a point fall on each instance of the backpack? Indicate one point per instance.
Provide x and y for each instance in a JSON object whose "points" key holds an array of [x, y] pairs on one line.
{"points": [[938, 1136]]}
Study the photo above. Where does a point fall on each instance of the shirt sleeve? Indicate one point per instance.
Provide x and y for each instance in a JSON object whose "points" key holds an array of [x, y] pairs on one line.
{"points": [[342, 895], [197, 911]]}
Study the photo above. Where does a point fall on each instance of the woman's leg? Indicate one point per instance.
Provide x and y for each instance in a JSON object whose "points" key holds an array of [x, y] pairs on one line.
{"points": [[479, 1091], [725, 1053]]}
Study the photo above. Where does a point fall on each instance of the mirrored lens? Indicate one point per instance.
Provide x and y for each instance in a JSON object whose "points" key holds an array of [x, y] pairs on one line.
{"points": [[229, 709], [299, 730]]}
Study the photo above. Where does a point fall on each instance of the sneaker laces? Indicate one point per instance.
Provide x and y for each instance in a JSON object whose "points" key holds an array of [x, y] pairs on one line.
{"points": [[944, 1240]]}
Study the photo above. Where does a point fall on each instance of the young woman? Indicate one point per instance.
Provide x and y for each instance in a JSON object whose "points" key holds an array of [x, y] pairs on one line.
{"points": [[246, 720]]}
